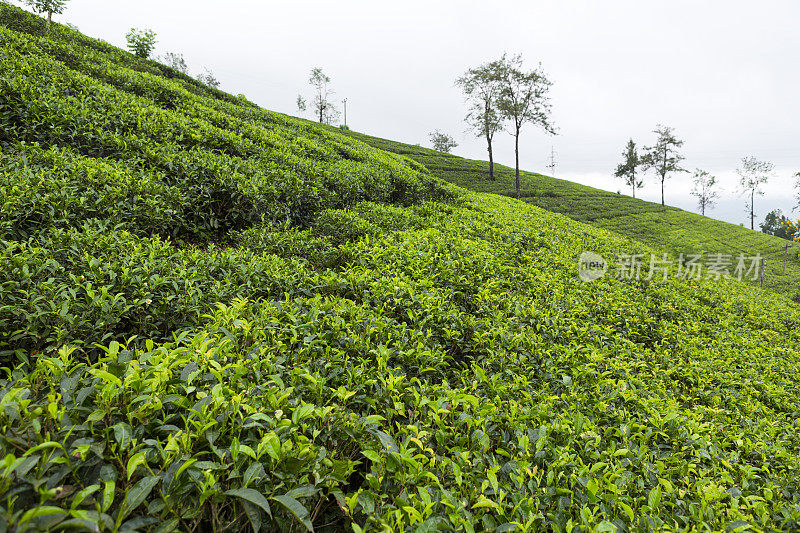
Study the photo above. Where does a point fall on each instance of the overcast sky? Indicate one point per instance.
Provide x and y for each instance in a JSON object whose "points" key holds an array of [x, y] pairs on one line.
{"points": [[724, 74]]}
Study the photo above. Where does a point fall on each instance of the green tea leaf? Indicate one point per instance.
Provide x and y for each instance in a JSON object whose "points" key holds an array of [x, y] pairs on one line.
{"points": [[296, 509], [136, 495], [252, 496], [134, 462], [654, 498]]}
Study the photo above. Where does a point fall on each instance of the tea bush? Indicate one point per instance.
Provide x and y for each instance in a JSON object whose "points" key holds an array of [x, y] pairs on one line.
{"points": [[225, 166], [458, 377], [217, 318], [98, 283], [667, 229]]}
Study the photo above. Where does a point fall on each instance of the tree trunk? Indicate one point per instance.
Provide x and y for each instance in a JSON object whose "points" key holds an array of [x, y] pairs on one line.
{"points": [[752, 208], [516, 157], [633, 189], [663, 174], [703, 201], [49, 21], [491, 159]]}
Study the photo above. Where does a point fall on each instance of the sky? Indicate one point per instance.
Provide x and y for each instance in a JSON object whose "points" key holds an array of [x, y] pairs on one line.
{"points": [[723, 74]]}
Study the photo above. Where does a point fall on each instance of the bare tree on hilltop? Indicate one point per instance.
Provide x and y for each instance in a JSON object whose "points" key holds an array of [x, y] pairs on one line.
{"points": [[208, 78], [627, 170], [482, 90], [752, 174], [663, 157], [523, 99], [324, 110], [175, 61], [703, 190]]}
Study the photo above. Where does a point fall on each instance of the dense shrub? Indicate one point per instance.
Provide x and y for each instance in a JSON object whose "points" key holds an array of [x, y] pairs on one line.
{"points": [[668, 229], [97, 283], [78, 111], [459, 376], [337, 341]]}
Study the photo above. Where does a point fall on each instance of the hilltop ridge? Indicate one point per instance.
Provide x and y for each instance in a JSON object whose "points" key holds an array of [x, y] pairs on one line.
{"points": [[665, 228]]}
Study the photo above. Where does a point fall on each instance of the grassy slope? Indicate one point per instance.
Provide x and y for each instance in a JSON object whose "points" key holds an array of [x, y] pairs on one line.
{"points": [[377, 352], [666, 228]]}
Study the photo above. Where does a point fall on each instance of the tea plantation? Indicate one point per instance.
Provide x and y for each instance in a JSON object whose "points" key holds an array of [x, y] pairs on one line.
{"points": [[218, 318], [666, 228]]}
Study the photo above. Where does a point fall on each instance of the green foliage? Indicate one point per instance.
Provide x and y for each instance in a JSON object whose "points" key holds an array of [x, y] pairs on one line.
{"points": [[628, 169], [98, 283], [665, 228], [442, 142], [49, 7], [663, 156], [406, 390], [352, 345], [778, 224], [141, 42], [123, 140]]}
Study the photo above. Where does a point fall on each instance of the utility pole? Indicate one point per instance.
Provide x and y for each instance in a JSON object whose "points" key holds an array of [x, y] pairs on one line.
{"points": [[785, 253], [345, 111], [552, 165]]}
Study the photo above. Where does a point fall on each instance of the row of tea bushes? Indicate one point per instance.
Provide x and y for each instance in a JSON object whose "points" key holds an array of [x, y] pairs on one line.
{"points": [[71, 116], [93, 282], [668, 229], [457, 377]]}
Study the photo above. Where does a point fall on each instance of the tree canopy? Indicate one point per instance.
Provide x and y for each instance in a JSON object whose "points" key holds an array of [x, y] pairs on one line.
{"points": [[482, 90], [523, 99], [663, 157], [627, 170]]}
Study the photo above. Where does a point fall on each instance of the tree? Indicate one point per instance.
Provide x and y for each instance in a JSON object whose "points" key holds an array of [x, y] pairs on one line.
{"points": [[778, 224], [207, 77], [523, 99], [50, 7], [442, 141], [141, 42], [175, 61], [704, 191], [752, 174], [627, 169], [482, 89], [663, 156], [324, 110], [797, 190]]}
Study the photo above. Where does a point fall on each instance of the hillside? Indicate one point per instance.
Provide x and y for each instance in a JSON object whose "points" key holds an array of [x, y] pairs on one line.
{"points": [[665, 228], [218, 318]]}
